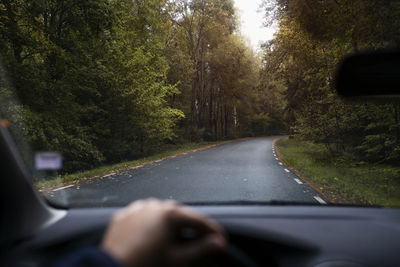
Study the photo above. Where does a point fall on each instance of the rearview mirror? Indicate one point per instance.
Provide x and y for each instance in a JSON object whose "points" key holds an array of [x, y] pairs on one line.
{"points": [[369, 75]]}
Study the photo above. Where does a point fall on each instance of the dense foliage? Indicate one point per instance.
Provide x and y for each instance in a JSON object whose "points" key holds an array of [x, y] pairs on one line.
{"points": [[216, 72], [88, 75], [313, 37], [103, 81]]}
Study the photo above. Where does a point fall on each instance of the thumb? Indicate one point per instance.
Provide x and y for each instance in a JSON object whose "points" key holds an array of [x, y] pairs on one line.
{"points": [[196, 249]]}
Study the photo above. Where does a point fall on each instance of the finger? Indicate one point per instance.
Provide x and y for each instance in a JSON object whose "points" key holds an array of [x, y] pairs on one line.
{"points": [[173, 203], [211, 244], [186, 217]]}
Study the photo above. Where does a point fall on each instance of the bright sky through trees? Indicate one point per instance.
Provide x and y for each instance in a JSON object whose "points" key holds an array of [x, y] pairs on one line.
{"points": [[252, 22]]}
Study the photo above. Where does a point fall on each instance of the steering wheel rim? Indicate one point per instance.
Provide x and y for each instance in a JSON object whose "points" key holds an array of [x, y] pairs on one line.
{"points": [[239, 257]]}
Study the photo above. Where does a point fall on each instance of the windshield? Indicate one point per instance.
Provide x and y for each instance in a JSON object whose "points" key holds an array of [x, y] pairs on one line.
{"points": [[200, 101]]}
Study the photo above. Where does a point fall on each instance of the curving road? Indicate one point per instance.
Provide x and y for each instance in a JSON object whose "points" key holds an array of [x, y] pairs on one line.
{"points": [[244, 170]]}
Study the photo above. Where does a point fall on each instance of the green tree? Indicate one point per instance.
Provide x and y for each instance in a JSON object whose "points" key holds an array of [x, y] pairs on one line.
{"points": [[312, 38]]}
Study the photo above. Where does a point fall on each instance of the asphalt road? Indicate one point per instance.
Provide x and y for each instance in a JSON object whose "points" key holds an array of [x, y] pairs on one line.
{"points": [[245, 170]]}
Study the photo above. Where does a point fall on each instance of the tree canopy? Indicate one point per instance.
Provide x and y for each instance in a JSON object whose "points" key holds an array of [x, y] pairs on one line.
{"points": [[105, 81], [301, 60]]}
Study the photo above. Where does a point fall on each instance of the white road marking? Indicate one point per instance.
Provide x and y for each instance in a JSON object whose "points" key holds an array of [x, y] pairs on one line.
{"points": [[286, 170], [320, 200], [137, 167], [158, 161], [276, 158], [298, 181], [108, 175], [274, 154], [64, 187], [280, 163]]}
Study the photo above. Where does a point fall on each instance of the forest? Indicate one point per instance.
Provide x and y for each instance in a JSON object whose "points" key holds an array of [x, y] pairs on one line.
{"points": [[312, 39], [104, 81]]}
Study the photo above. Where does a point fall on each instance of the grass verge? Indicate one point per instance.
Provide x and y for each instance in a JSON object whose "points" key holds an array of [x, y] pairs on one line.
{"points": [[62, 180], [342, 180]]}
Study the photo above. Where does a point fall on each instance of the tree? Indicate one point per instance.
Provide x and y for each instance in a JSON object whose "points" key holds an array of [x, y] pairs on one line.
{"points": [[89, 76], [313, 37]]}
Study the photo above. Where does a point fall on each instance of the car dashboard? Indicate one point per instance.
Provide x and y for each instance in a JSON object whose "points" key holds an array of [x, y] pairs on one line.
{"points": [[318, 236]]}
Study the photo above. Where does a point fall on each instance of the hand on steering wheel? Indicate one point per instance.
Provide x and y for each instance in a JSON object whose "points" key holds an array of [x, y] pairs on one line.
{"points": [[152, 233]]}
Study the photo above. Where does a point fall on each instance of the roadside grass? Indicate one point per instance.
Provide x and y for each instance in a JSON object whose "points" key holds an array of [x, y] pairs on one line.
{"points": [[167, 151], [342, 180]]}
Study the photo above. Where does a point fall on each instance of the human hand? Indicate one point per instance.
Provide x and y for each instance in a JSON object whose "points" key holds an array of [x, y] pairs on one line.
{"points": [[149, 233]]}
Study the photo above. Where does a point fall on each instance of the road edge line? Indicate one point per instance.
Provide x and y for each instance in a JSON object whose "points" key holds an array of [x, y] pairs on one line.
{"points": [[63, 187], [99, 176], [297, 173]]}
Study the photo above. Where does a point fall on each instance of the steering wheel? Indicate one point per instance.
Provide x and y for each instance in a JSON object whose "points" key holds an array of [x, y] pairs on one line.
{"points": [[236, 257]]}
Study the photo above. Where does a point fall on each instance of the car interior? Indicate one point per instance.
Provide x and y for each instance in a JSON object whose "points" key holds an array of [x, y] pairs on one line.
{"points": [[35, 232]]}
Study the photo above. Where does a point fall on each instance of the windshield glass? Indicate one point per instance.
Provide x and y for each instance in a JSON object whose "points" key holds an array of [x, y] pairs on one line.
{"points": [[200, 101]]}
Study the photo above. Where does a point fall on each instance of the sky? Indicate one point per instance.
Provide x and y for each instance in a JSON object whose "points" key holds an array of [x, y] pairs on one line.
{"points": [[252, 22]]}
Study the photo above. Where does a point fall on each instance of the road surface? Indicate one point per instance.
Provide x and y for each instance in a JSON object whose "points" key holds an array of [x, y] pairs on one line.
{"points": [[244, 170]]}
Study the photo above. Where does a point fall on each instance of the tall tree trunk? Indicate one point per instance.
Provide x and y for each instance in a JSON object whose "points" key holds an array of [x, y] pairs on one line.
{"points": [[222, 120], [226, 121], [216, 118], [211, 109], [193, 113], [201, 94]]}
